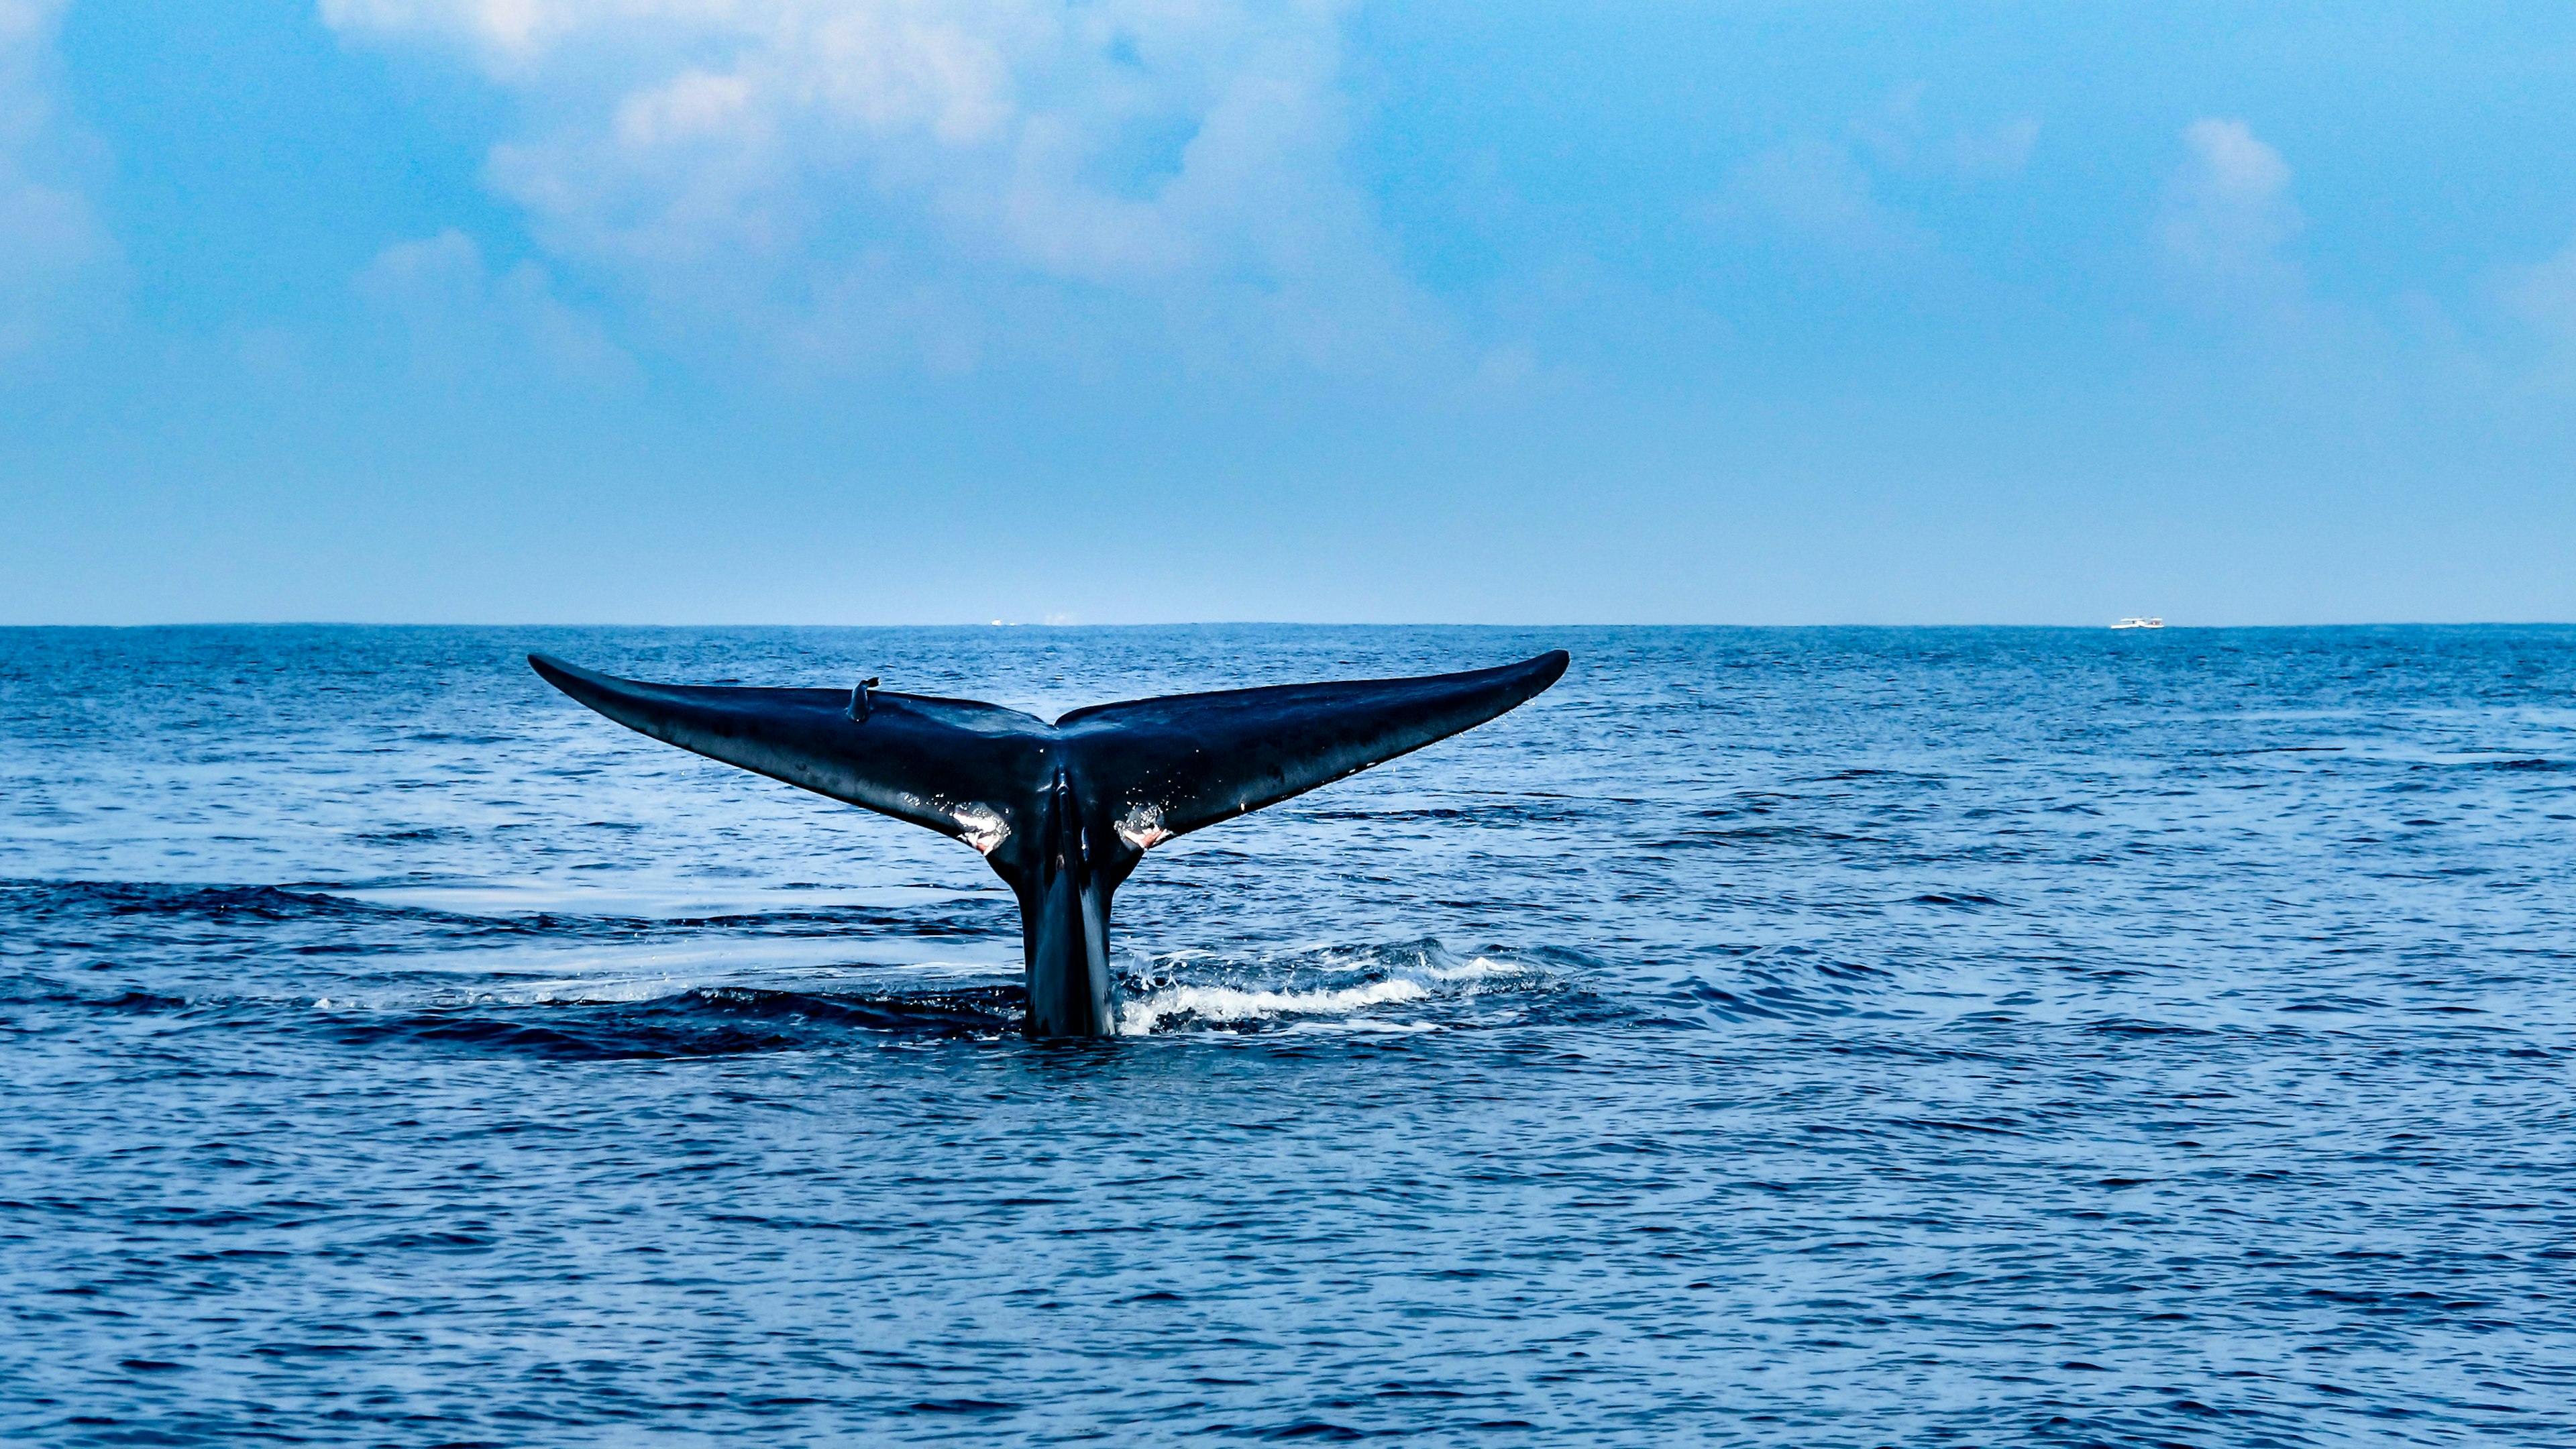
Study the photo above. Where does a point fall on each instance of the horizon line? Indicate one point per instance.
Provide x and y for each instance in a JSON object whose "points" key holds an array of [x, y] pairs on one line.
{"points": [[1072, 625]]}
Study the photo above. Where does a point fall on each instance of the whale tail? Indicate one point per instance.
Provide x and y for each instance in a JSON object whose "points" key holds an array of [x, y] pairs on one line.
{"points": [[1062, 810], [1152, 769]]}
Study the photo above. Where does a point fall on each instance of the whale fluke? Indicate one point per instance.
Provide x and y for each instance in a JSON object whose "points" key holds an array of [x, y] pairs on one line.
{"points": [[942, 763], [1062, 811]]}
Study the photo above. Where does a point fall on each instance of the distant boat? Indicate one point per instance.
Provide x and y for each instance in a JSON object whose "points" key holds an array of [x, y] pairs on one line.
{"points": [[2139, 624]]}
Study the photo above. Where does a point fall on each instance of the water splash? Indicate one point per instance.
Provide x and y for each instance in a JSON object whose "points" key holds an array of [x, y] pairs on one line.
{"points": [[1422, 983]]}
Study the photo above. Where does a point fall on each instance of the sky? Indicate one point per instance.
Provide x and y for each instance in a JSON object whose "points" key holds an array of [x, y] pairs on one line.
{"points": [[1125, 311]]}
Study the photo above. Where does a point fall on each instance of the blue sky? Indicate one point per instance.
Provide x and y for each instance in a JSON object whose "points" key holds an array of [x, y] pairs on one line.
{"points": [[1145, 310]]}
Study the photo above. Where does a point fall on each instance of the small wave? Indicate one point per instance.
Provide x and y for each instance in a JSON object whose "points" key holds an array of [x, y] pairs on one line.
{"points": [[673, 903], [48, 901], [1226, 1004], [1788, 983], [701, 1022], [611, 1022], [1306, 990]]}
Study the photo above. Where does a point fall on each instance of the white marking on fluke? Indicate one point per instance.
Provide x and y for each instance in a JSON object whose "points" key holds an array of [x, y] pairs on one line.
{"points": [[984, 827], [1142, 827]]}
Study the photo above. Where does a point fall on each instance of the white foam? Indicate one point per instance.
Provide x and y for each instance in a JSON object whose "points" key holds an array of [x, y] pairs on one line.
{"points": [[1424, 965], [1479, 968], [1140, 1016]]}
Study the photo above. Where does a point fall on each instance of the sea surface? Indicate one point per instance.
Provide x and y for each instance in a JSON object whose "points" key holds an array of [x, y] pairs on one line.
{"points": [[1793, 1037]]}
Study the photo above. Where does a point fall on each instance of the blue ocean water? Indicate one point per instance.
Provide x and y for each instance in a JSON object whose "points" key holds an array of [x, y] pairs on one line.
{"points": [[1800, 1037]]}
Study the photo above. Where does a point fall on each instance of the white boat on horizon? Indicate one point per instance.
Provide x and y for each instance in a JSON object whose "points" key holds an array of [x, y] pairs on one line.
{"points": [[2139, 624]]}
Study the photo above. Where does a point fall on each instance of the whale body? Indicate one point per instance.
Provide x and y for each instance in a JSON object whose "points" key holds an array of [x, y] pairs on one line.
{"points": [[1063, 812]]}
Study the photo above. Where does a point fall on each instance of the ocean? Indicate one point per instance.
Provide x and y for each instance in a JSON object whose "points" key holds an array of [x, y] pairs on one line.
{"points": [[1800, 1037]]}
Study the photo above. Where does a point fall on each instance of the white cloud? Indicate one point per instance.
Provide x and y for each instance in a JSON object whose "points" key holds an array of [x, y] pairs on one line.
{"points": [[2544, 294], [1997, 151], [1825, 193], [2543, 298], [941, 180], [1897, 134], [52, 247], [464, 320], [2227, 209], [1818, 193]]}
